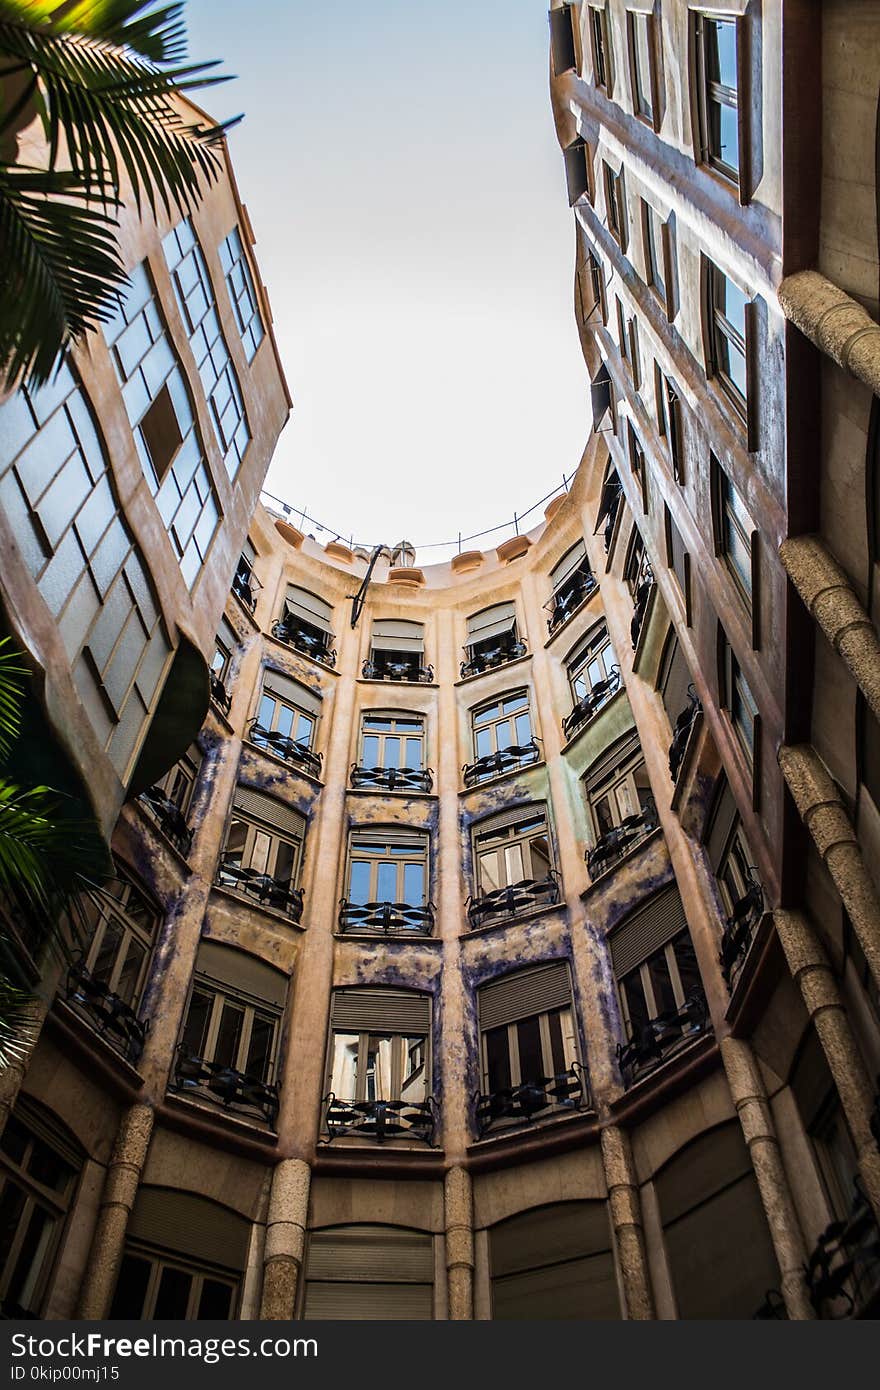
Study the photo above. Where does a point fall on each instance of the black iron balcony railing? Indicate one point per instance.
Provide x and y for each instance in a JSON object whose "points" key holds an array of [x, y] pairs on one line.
{"points": [[269, 892], [386, 919], [681, 734], [486, 659], [110, 1016], [642, 599], [246, 586], [387, 666], [224, 1086], [513, 900], [379, 1120], [843, 1270], [392, 779], [662, 1037], [504, 760], [169, 818], [533, 1100], [569, 597], [592, 702], [739, 929], [311, 641], [285, 747], [620, 839], [219, 694]]}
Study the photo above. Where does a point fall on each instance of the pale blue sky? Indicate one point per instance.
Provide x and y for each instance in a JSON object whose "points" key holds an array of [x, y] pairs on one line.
{"points": [[402, 173]]}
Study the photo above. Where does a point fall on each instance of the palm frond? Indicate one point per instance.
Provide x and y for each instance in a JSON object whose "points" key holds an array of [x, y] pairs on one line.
{"points": [[159, 35], [17, 1027], [11, 695]]}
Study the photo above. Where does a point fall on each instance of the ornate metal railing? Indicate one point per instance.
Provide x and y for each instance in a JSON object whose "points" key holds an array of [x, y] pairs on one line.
{"points": [[533, 1100], [379, 1120], [110, 1016], [387, 919], [684, 725], [620, 839], [661, 1037], [267, 890], [504, 760], [592, 702], [843, 1270], [642, 598], [219, 694], [169, 818], [514, 900], [378, 667], [739, 930], [569, 597], [392, 779], [481, 661], [309, 641], [233, 1090], [246, 587], [284, 747]]}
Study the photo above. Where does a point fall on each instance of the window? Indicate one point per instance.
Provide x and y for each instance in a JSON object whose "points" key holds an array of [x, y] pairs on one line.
{"points": [[600, 47], [39, 1167], [379, 1046], [726, 319], [739, 701], [225, 644], [655, 966], [387, 867], [553, 1263], [602, 399], [562, 41], [305, 625], [578, 171], [640, 34], [242, 294], [512, 852], [492, 639], [572, 582], [674, 678], [397, 652], [735, 531], [678, 560], [657, 254], [610, 506], [617, 786], [392, 741], [120, 923], [245, 584], [527, 1041], [286, 720], [591, 281], [639, 579], [669, 421], [820, 1110], [168, 801], [503, 724], [263, 851], [622, 336], [366, 1272], [637, 462], [615, 205], [593, 665], [716, 41], [180, 782]]}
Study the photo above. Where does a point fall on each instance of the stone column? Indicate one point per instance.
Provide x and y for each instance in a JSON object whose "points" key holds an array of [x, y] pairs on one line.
{"points": [[812, 973], [750, 1098], [626, 1219], [459, 1215], [285, 1239], [120, 1189]]}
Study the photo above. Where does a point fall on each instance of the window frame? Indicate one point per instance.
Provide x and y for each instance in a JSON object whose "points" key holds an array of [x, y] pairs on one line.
{"points": [[638, 462], [159, 1261], [112, 909], [55, 1203], [669, 423], [276, 839], [736, 694], [651, 116], [642, 970], [281, 703], [509, 719], [708, 93], [416, 843], [657, 244], [507, 836], [593, 647], [402, 736], [615, 204], [727, 520], [601, 55], [251, 1007], [620, 789], [402, 1050], [722, 338], [568, 1041]]}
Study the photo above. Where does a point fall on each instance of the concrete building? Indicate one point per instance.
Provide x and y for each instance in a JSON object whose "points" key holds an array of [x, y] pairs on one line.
{"points": [[503, 942]]}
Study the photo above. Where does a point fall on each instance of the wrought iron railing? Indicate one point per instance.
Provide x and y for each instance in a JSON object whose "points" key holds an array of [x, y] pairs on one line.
{"points": [[285, 747], [843, 1270], [309, 641], [379, 1120], [681, 734], [380, 666], [569, 597], [513, 900], [480, 661], [219, 694], [504, 760], [246, 587], [739, 929], [392, 779], [620, 839], [269, 892], [109, 1015], [642, 599], [224, 1086], [592, 702], [386, 919], [661, 1037], [532, 1100], [169, 818]]}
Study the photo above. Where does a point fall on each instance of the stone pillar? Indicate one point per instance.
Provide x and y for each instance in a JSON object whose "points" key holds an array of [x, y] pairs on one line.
{"points": [[837, 324], [120, 1189], [812, 974], [750, 1098], [459, 1215], [626, 1218], [285, 1239]]}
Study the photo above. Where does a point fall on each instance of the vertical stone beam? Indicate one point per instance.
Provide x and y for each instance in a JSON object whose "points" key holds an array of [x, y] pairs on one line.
{"points": [[750, 1098], [812, 974], [285, 1239], [459, 1215], [626, 1219], [120, 1189]]}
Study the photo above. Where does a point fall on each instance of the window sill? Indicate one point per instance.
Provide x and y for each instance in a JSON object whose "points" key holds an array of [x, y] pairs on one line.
{"points": [[499, 777], [399, 792], [283, 762], [518, 1129], [592, 721], [655, 835], [670, 1075], [240, 603], [504, 922], [493, 670], [222, 719], [567, 622], [237, 1124], [262, 911], [395, 685], [387, 939]]}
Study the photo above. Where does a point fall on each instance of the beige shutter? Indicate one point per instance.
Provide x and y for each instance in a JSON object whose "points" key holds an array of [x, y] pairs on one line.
{"points": [[514, 816], [618, 756], [360, 1273], [185, 1224], [524, 994], [227, 635], [724, 818], [646, 930], [309, 607], [276, 683], [225, 965], [562, 39], [395, 635], [380, 1011], [565, 567], [491, 622], [274, 813]]}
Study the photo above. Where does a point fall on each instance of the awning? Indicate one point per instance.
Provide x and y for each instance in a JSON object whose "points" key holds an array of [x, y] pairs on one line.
{"points": [[611, 490], [600, 395], [491, 622], [309, 608], [397, 635]]}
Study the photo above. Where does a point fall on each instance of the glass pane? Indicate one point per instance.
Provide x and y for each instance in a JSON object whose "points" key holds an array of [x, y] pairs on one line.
{"points": [[523, 729], [380, 1057], [130, 974], [539, 850], [12, 1202], [371, 751], [415, 1082], [497, 1059], [739, 553], [235, 844], [518, 702], [228, 1035], [636, 1004], [131, 1288], [172, 1298], [343, 1076], [359, 881], [259, 1053], [285, 864], [195, 1031], [489, 866], [267, 711], [215, 1301], [29, 1264], [733, 364], [105, 959], [414, 753], [414, 884], [14, 1140], [513, 864], [661, 984], [686, 963], [386, 891], [392, 753], [303, 729], [559, 1023], [483, 743], [725, 133], [46, 1166], [258, 858], [531, 1058], [604, 815], [721, 51], [503, 735], [285, 720]]}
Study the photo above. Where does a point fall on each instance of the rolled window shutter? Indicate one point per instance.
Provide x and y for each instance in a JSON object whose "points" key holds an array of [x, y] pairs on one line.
{"points": [[225, 965], [566, 567], [358, 1273], [326, 1302], [701, 1169], [395, 635], [491, 622], [724, 818], [560, 1231], [524, 994], [618, 756], [309, 607], [185, 1224], [646, 931], [514, 816], [380, 1011], [276, 683], [275, 814], [227, 635]]}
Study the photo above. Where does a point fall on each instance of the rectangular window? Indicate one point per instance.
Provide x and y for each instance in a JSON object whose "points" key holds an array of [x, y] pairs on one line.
{"points": [[600, 47], [528, 1052], [279, 715], [263, 852], [493, 639], [562, 40], [623, 792], [379, 1047], [305, 625], [150, 1287], [593, 288], [513, 853], [678, 560], [640, 35], [726, 322], [717, 42], [638, 463], [387, 869], [397, 652], [242, 294], [659, 987], [592, 664], [615, 205], [578, 171], [739, 701], [121, 925], [735, 531], [669, 421], [572, 582], [393, 741], [503, 738], [37, 1185], [657, 253]]}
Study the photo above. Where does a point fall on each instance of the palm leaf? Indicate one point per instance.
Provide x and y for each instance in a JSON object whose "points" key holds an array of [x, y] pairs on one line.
{"points": [[159, 35], [10, 696], [17, 1027]]}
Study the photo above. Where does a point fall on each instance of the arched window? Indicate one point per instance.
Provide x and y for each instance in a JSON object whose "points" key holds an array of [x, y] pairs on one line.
{"points": [[379, 1064], [286, 721], [503, 738]]}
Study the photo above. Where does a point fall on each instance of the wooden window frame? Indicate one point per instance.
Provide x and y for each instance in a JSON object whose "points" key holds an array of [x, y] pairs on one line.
{"points": [[508, 833], [683, 581], [730, 677], [571, 1052], [600, 48], [668, 403], [55, 1203], [615, 205], [593, 647], [638, 463], [401, 1053], [160, 1261], [415, 842], [703, 95], [402, 736], [621, 776], [251, 1006], [750, 597], [662, 253], [281, 703], [642, 971], [113, 909], [276, 838], [502, 719], [652, 118]]}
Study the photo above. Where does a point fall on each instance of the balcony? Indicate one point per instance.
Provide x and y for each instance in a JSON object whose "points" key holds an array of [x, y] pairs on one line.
{"points": [[246, 586], [591, 703], [284, 747], [219, 694], [739, 929], [661, 1038], [109, 1015], [169, 818], [312, 642], [224, 1086], [569, 597], [396, 666], [504, 760], [843, 1270], [379, 1120], [513, 900], [386, 919], [641, 601], [620, 839], [267, 891], [392, 779], [532, 1101], [611, 514], [684, 726], [486, 658]]}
